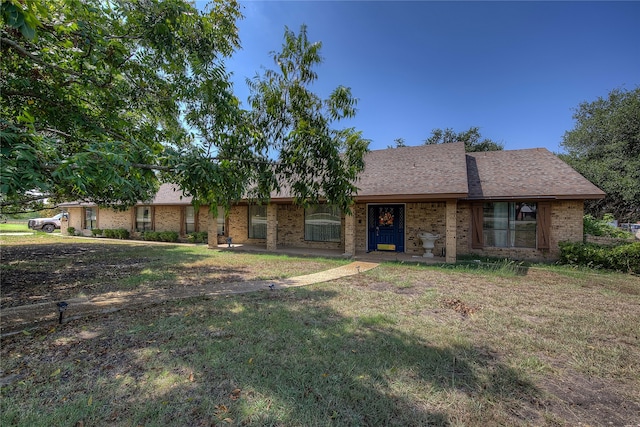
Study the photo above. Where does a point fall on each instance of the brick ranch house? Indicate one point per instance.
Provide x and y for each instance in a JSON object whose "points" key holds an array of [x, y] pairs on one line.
{"points": [[514, 204]]}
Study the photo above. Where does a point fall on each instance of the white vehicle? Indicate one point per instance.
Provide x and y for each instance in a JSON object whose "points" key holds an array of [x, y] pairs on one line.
{"points": [[47, 224]]}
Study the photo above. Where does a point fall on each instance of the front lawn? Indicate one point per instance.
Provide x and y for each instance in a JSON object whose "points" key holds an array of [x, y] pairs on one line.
{"points": [[14, 227], [397, 345]]}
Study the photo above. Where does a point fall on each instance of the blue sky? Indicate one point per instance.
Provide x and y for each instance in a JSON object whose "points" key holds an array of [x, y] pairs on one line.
{"points": [[515, 69]]}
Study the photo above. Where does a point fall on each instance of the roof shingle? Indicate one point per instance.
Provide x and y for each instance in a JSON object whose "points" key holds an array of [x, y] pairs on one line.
{"points": [[445, 171], [529, 173], [424, 171]]}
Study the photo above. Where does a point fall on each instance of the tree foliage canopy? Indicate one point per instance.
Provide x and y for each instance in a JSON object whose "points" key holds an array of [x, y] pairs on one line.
{"points": [[604, 146], [91, 92], [99, 97], [400, 142], [298, 124], [472, 139]]}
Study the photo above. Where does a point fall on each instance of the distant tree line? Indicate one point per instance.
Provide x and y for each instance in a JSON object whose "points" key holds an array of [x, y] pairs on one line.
{"points": [[604, 146], [473, 140]]}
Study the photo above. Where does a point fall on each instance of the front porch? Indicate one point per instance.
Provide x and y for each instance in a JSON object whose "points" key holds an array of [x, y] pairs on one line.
{"points": [[388, 231], [374, 256]]}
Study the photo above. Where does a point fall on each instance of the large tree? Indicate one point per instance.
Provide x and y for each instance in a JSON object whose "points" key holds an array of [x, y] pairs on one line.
{"points": [[472, 139], [101, 100], [604, 146], [300, 126], [92, 92]]}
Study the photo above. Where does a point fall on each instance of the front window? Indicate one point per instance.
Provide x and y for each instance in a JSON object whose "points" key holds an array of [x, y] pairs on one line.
{"points": [[189, 219], [257, 222], [143, 218], [509, 224], [322, 223], [221, 221], [90, 218]]}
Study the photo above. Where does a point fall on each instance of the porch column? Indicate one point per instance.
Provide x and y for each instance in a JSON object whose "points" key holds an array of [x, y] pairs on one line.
{"points": [[272, 227], [451, 230], [212, 229], [350, 233]]}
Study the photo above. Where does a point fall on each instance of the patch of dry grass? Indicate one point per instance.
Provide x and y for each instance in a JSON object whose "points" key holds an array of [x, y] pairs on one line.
{"points": [[397, 345], [54, 268]]}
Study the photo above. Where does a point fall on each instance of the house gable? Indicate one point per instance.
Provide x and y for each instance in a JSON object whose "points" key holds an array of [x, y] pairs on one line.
{"points": [[414, 173], [525, 174]]}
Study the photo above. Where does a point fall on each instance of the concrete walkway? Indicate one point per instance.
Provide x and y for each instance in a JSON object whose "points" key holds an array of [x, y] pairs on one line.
{"points": [[16, 319]]}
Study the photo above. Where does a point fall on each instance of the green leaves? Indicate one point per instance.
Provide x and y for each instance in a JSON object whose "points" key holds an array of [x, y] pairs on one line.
{"points": [[315, 161], [21, 18], [472, 139], [604, 146], [101, 101], [93, 100]]}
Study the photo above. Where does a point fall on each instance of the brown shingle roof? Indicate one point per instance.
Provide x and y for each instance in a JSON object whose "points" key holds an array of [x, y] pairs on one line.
{"points": [[444, 171], [530, 173], [421, 172], [170, 194]]}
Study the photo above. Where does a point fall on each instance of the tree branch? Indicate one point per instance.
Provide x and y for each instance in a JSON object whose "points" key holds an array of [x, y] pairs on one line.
{"points": [[151, 167], [24, 52], [25, 199]]}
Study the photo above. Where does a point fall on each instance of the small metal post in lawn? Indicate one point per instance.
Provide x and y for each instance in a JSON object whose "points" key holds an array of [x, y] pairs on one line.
{"points": [[62, 306]]}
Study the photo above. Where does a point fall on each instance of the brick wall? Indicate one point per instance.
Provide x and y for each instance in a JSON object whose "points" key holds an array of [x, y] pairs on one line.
{"points": [[170, 218], [290, 226], [291, 230], [418, 217], [429, 217], [360, 211], [239, 226], [75, 220], [203, 221], [463, 228], [566, 225], [112, 219], [167, 218]]}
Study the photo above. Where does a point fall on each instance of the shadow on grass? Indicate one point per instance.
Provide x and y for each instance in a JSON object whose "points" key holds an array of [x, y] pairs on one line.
{"points": [[57, 271], [282, 358], [504, 267]]}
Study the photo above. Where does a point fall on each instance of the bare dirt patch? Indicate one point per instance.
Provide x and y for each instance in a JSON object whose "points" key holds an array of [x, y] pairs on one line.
{"points": [[39, 273], [58, 271], [577, 398]]}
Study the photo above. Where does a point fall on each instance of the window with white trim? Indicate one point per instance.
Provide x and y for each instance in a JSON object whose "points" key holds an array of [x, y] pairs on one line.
{"points": [[143, 218], [90, 218], [257, 222], [189, 219], [322, 223]]}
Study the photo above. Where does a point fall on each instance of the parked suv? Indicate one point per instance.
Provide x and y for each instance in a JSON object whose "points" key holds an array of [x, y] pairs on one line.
{"points": [[46, 224]]}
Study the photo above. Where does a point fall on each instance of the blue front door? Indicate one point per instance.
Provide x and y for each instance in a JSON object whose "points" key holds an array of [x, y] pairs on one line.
{"points": [[386, 228]]}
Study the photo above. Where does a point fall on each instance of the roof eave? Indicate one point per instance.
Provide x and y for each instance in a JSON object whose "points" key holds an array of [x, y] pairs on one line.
{"points": [[408, 197], [541, 197]]}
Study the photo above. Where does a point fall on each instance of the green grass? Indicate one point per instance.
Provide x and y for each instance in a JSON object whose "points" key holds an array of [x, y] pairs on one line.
{"points": [[14, 227], [378, 348], [67, 267]]}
